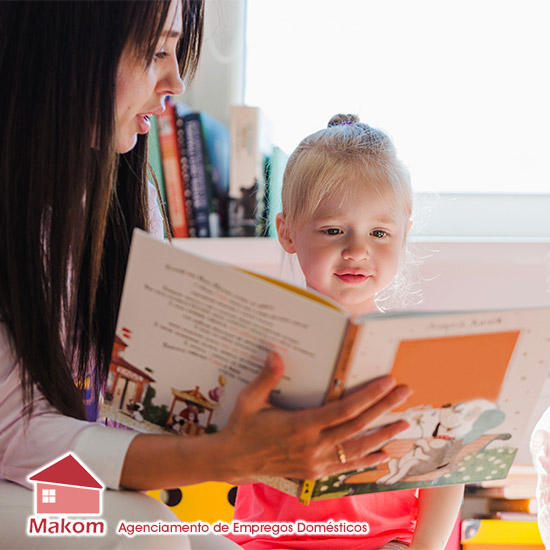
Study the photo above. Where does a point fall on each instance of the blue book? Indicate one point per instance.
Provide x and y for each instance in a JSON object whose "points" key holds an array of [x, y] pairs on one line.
{"points": [[215, 138]]}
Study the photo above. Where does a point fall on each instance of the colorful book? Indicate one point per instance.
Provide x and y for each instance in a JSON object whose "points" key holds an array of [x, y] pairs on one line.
{"points": [[277, 165], [180, 111], [215, 136], [192, 333], [197, 183], [250, 133], [173, 182], [155, 158]]}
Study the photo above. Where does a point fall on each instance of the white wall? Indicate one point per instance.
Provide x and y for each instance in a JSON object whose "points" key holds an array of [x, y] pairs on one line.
{"points": [[219, 82]]}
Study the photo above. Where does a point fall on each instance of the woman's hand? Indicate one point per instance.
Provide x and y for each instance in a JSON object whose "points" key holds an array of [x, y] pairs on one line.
{"points": [[264, 440]]}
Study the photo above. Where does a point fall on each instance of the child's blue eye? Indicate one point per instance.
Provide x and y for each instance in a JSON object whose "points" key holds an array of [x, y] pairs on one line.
{"points": [[332, 231], [379, 233]]}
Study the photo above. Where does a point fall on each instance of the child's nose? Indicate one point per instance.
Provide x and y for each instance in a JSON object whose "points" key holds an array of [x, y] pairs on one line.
{"points": [[356, 250]]}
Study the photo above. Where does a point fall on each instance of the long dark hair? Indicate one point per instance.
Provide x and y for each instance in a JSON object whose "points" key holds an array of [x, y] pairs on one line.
{"points": [[67, 209]]}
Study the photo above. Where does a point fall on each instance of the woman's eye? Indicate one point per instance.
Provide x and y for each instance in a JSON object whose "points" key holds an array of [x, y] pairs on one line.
{"points": [[332, 231], [379, 233], [161, 55]]}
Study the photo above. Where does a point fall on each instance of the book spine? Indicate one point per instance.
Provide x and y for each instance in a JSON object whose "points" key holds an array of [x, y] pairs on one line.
{"points": [[198, 181], [184, 168], [173, 184], [250, 144], [341, 370], [215, 136], [155, 158], [334, 392]]}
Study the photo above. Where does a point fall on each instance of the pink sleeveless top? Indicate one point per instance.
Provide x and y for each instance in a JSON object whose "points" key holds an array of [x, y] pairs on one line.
{"points": [[390, 516]]}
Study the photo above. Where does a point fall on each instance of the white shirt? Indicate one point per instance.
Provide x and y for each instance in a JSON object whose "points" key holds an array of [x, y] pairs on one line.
{"points": [[28, 443]]}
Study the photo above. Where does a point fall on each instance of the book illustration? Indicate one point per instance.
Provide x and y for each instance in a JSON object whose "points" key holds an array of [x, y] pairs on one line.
{"points": [[459, 443], [250, 148], [467, 436], [189, 419], [242, 213], [130, 399]]}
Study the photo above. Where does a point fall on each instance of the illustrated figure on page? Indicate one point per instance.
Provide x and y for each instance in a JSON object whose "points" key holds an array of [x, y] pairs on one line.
{"points": [[457, 426]]}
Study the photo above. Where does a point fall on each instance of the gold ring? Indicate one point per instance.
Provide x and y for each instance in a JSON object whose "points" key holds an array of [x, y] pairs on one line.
{"points": [[341, 453]]}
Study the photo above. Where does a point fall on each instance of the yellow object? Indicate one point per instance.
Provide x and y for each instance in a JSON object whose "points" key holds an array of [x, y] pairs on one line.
{"points": [[307, 491], [494, 534], [208, 502]]}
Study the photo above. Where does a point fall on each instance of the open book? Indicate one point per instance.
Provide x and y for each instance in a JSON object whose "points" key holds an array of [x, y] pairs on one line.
{"points": [[193, 332]]}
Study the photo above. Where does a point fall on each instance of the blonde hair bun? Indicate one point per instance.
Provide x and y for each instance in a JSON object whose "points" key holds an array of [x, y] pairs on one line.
{"points": [[340, 119]]}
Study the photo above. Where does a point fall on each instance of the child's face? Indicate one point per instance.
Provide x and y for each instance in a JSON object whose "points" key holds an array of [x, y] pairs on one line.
{"points": [[140, 91], [348, 251]]}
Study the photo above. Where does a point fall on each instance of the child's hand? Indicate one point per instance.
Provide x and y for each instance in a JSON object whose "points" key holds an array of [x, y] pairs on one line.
{"points": [[263, 440]]}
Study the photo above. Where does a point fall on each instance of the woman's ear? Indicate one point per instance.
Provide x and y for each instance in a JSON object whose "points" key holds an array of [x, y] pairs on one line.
{"points": [[283, 233]]}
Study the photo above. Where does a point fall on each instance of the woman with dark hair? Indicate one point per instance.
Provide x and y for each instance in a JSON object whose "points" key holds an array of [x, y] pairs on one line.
{"points": [[79, 83]]}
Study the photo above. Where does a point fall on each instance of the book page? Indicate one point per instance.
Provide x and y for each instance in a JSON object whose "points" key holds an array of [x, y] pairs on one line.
{"points": [[475, 378], [196, 332]]}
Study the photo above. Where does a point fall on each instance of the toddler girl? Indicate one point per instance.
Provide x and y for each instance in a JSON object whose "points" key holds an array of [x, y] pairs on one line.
{"points": [[347, 202]]}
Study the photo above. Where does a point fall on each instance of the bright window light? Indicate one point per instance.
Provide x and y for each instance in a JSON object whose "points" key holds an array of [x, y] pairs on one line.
{"points": [[462, 87]]}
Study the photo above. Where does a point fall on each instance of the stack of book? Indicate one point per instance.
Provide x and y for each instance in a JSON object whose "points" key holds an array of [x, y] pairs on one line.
{"points": [[215, 181], [502, 513], [194, 169]]}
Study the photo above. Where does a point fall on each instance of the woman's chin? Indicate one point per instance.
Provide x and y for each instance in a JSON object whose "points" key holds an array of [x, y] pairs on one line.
{"points": [[123, 145]]}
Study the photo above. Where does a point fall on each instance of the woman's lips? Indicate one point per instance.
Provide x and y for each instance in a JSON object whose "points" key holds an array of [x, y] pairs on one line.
{"points": [[144, 123]]}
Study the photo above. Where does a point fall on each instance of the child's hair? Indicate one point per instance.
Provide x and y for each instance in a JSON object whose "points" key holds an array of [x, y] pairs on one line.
{"points": [[334, 163]]}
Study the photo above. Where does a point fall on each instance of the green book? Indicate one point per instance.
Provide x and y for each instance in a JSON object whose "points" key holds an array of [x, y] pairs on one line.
{"points": [[155, 159], [277, 165]]}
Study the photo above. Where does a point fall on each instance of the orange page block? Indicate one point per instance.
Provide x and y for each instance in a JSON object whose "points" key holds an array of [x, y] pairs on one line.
{"points": [[466, 367]]}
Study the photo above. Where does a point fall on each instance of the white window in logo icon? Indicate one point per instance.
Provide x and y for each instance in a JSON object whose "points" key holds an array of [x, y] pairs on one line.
{"points": [[48, 496]]}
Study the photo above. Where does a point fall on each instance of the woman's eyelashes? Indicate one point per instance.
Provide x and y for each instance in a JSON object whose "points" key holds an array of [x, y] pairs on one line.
{"points": [[161, 55]]}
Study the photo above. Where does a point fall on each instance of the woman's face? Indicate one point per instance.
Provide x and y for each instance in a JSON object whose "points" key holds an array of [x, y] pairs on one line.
{"points": [[140, 92]]}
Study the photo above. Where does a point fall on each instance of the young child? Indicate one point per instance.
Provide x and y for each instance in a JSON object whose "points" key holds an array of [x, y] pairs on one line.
{"points": [[347, 202]]}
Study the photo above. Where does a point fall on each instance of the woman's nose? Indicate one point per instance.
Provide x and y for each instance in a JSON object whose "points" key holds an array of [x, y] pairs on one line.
{"points": [[171, 82]]}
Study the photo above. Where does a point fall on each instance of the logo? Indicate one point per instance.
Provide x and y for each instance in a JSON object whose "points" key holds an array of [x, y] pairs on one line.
{"points": [[66, 487]]}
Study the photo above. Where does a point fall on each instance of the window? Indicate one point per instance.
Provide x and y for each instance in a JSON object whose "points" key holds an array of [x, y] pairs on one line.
{"points": [[48, 496], [462, 88]]}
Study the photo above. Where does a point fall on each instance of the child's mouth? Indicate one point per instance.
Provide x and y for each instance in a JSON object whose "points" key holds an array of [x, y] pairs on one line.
{"points": [[352, 278]]}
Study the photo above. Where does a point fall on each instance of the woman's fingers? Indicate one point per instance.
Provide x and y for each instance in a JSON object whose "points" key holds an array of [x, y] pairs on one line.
{"points": [[256, 395], [358, 448], [351, 406], [361, 452], [265, 440], [363, 421]]}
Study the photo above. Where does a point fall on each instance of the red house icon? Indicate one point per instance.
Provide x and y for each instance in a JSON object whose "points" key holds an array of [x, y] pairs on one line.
{"points": [[66, 487]]}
